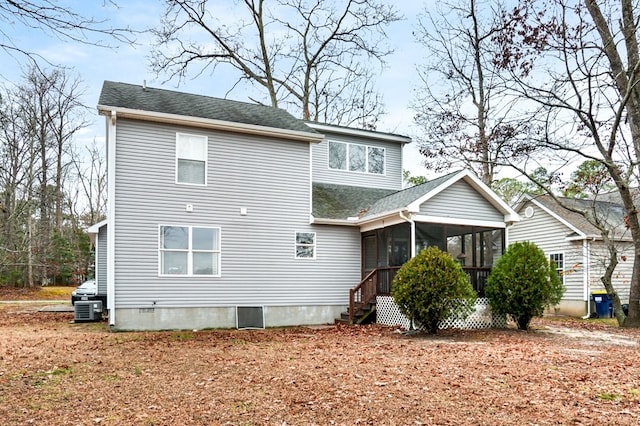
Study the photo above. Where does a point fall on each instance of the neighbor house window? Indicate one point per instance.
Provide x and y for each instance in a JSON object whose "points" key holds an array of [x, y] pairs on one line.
{"points": [[558, 261], [305, 245], [189, 250], [191, 159], [356, 158]]}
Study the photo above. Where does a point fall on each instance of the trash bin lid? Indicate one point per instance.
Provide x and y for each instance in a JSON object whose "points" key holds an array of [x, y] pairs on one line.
{"points": [[599, 292]]}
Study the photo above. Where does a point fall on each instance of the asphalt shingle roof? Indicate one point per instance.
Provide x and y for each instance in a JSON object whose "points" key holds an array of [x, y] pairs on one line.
{"points": [[340, 202], [332, 201], [124, 95], [400, 199], [610, 212]]}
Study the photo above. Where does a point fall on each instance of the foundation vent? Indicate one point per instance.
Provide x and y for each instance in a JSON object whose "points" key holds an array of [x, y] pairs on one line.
{"points": [[249, 317]]}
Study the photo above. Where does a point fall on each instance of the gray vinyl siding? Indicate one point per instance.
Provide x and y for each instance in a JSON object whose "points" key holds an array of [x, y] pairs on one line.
{"points": [[392, 179], [622, 275], [549, 235], [101, 260], [460, 200], [268, 177]]}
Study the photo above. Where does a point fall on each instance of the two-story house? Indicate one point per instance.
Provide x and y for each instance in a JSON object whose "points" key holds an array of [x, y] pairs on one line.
{"points": [[229, 214]]}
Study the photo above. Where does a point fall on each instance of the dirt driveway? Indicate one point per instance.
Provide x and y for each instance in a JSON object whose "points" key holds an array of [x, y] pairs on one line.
{"points": [[54, 372]]}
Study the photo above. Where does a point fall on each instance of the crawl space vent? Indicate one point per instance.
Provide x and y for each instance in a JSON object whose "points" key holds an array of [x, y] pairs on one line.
{"points": [[250, 317]]}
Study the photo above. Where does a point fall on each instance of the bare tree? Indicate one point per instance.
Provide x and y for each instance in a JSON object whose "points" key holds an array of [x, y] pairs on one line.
{"points": [[308, 55], [91, 181], [48, 16], [40, 118], [466, 117], [578, 61]]}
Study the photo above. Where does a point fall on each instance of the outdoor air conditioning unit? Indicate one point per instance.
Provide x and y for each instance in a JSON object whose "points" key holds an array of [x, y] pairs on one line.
{"points": [[88, 310]]}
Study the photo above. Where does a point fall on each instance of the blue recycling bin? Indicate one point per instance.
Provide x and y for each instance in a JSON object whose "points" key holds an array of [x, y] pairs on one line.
{"points": [[603, 303]]}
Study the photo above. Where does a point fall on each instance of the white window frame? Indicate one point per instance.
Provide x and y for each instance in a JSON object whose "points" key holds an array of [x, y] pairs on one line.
{"points": [[561, 271], [204, 154], [366, 154], [190, 251], [314, 245]]}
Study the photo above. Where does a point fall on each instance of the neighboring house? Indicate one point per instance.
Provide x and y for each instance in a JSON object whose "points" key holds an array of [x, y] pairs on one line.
{"points": [[576, 246], [228, 214]]}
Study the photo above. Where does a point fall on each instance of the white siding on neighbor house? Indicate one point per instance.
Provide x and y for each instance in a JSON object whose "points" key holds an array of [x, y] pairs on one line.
{"points": [[621, 276], [101, 260], [550, 235], [460, 200], [392, 179], [268, 177]]}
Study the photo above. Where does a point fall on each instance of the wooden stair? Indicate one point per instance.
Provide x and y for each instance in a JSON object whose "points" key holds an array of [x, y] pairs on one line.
{"points": [[365, 315]]}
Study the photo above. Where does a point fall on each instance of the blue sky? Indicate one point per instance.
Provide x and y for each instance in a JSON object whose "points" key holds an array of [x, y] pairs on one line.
{"points": [[129, 64]]}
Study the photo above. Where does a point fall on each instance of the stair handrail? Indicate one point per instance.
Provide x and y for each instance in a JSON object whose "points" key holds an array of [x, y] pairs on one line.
{"points": [[367, 288]]}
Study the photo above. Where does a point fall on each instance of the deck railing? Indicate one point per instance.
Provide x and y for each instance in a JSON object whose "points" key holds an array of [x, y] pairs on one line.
{"points": [[378, 282], [478, 278], [374, 283]]}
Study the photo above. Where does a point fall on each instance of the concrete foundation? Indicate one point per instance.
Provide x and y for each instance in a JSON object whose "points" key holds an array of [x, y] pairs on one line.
{"points": [[163, 318], [570, 308]]}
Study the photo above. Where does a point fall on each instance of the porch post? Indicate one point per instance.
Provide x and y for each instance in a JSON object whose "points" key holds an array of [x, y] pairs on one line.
{"points": [[412, 237]]}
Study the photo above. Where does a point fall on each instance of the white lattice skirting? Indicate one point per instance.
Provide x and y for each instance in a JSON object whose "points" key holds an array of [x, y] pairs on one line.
{"points": [[387, 313]]}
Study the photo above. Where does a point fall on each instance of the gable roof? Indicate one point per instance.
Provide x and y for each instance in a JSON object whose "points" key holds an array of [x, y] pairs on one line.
{"points": [[142, 102], [401, 199], [611, 212], [360, 205]]}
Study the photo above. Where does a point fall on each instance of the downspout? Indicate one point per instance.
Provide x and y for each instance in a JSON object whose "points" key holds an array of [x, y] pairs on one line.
{"points": [[586, 261], [413, 233], [111, 238]]}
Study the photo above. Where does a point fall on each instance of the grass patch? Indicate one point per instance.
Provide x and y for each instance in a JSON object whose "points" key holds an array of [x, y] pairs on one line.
{"points": [[59, 371], [111, 378], [181, 336], [54, 292], [609, 396]]}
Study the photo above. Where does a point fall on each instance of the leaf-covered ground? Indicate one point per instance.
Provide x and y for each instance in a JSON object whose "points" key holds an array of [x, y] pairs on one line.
{"points": [[55, 372]]}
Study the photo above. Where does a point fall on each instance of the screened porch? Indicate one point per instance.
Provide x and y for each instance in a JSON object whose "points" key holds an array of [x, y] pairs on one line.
{"points": [[475, 248]]}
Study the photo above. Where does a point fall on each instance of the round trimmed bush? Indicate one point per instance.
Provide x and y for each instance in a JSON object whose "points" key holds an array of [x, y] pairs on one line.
{"points": [[523, 283], [431, 287]]}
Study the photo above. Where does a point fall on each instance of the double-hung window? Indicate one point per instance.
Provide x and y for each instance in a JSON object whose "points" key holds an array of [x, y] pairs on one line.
{"points": [[356, 158], [191, 159], [305, 245], [558, 261], [189, 250]]}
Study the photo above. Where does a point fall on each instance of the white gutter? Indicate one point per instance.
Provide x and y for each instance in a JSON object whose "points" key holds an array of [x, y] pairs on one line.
{"points": [[586, 260], [373, 218], [111, 208], [413, 233], [369, 134], [347, 222], [211, 124]]}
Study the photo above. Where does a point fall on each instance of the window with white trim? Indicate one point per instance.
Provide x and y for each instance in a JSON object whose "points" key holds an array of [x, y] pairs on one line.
{"points": [[191, 159], [189, 250], [356, 158], [305, 245], [558, 261]]}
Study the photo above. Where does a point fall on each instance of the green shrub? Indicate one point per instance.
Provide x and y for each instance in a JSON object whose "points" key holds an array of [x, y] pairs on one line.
{"points": [[523, 283], [431, 287]]}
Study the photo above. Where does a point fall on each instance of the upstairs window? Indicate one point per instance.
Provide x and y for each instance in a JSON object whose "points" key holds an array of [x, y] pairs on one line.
{"points": [[356, 158], [191, 159], [305, 245], [189, 250]]}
